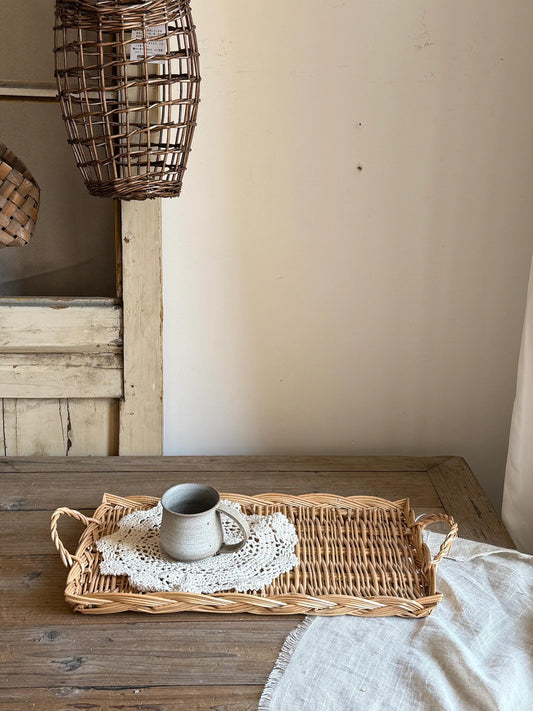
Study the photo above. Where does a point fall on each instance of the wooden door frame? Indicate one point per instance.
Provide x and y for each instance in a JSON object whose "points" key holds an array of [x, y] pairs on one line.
{"points": [[141, 407], [58, 351], [82, 349]]}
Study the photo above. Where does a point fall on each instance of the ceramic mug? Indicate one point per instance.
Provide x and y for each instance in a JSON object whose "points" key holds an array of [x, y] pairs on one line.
{"points": [[191, 528]]}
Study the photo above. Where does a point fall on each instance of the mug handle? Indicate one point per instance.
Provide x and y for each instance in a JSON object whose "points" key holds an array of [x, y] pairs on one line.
{"points": [[241, 522]]}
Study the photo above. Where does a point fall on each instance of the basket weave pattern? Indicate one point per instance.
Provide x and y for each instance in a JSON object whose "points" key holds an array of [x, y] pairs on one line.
{"points": [[359, 556], [19, 200], [130, 116]]}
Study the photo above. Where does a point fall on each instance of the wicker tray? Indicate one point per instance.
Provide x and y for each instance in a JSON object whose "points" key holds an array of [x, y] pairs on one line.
{"points": [[359, 556]]}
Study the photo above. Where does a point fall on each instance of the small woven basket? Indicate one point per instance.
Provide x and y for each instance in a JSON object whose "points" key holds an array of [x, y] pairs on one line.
{"points": [[19, 200], [128, 78]]}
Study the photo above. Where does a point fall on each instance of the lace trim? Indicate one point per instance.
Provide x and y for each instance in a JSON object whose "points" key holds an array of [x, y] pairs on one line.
{"points": [[133, 550]]}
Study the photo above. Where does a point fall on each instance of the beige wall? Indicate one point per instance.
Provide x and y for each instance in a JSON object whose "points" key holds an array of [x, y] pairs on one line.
{"points": [[346, 269]]}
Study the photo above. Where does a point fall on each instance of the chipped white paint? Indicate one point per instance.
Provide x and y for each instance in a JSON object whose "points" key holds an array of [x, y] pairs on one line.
{"points": [[59, 427], [60, 325], [60, 375]]}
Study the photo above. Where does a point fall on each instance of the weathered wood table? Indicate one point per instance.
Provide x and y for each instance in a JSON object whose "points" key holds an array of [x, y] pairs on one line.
{"points": [[54, 659]]}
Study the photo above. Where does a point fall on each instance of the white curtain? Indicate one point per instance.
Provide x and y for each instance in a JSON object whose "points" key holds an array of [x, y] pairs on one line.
{"points": [[517, 509]]}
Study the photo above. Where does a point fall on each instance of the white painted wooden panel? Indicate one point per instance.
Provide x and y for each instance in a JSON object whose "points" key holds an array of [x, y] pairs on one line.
{"points": [[57, 427], [141, 416], [59, 325], [60, 375]]}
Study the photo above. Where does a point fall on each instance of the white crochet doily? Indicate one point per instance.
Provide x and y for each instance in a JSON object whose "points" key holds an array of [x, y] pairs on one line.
{"points": [[134, 550]]}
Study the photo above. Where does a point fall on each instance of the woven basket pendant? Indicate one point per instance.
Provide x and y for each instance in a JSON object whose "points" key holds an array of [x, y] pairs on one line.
{"points": [[128, 78], [19, 200]]}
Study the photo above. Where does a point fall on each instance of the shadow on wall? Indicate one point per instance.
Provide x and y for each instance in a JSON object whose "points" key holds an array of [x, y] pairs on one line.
{"points": [[72, 252]]}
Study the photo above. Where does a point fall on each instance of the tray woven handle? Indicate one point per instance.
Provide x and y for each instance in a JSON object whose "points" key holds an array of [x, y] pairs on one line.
{"points": [[427, 519], [66, 557]]}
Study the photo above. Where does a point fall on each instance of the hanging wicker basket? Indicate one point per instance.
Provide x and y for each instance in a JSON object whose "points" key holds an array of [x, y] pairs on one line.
{"points": [[128, 78], [19, 200]]}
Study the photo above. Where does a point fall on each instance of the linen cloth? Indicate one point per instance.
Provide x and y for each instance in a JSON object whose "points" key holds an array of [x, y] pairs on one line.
{"points": [[518, 489], [474, 653]]}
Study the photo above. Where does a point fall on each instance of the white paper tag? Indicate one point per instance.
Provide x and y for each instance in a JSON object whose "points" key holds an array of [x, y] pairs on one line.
{"points": [[153, 47]]}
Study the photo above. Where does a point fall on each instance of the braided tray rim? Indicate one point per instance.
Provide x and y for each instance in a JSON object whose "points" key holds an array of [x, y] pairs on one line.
{"points": [[98, 603]]}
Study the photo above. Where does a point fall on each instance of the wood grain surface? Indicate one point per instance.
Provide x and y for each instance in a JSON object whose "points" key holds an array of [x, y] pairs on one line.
{"points": [[55, 660], [59, 426], [61, 375], [141, 411]]}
